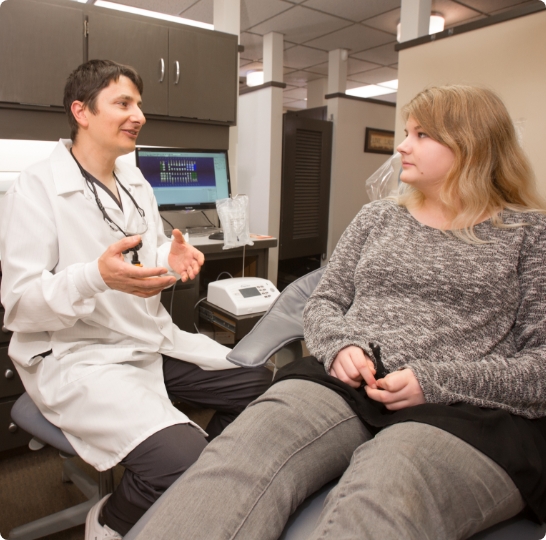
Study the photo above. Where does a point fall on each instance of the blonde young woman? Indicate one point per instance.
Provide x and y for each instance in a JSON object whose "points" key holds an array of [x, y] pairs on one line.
{"points": [[427, 389]]}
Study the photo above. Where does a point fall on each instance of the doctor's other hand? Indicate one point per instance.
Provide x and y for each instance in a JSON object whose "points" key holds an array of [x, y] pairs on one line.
{"points": [[123, 276], [184, 259], [352, 366], [397, 390]]}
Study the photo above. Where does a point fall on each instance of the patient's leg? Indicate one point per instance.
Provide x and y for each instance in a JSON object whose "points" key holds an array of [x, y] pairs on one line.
{"points": [[247, 482], [415, 481]]}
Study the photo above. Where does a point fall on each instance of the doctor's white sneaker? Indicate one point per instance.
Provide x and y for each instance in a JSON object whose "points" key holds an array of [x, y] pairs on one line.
{"points": [[93, 529]]}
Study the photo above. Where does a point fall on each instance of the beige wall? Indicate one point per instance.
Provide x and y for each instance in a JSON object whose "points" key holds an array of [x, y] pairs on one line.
{"points": [[351, 166], [508, 57]]}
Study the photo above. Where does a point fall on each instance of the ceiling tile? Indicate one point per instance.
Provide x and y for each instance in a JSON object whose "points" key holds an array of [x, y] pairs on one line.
{"points": [[254, 12], [200, 11], [386, 21], [302, 57], [453, 12], [355, 10], [249, 67], [489, 6], [376, 76], [511, 7], [253, 45], [171, 7], [300, 24], [296, 93], [355, 38], [301, 78], [384, 55], [353, 66]]}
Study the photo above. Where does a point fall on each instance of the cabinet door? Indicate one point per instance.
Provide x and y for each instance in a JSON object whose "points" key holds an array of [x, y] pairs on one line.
{"points": [[140, 44], [40, 44], [203, 74]]}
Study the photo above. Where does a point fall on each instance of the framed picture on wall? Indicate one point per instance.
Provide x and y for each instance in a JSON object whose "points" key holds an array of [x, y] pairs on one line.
{"points": [[379, 141]]}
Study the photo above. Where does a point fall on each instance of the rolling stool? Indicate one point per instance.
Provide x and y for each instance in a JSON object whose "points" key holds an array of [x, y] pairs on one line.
{"points": [[27, 416]]}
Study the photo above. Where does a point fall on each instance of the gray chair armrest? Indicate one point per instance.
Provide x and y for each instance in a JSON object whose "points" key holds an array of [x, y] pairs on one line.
{"points": [[282, 324], [28, 417]]}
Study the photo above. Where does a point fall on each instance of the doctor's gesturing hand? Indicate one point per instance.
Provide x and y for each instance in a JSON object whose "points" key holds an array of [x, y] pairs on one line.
{"points": [[125, 277], [184, 259]]}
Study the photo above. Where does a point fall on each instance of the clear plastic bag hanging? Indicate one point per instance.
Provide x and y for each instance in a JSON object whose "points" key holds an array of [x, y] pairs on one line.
{"points": [[234, 218], [384, 181]]}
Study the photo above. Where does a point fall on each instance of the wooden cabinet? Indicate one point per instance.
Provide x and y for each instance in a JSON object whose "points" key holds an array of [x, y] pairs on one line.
{"points": [[203, 71], [189, 73], [140, 44], [11, 387], [40, 44]]}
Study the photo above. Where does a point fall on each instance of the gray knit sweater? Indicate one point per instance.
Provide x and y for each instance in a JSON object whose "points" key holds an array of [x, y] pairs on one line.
{"points": [[469, 320]]}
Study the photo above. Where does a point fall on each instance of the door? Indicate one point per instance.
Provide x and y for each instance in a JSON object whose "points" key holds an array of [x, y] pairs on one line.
{"points": [[140, 44], [305, 186], [203, 74], [40, 45]]}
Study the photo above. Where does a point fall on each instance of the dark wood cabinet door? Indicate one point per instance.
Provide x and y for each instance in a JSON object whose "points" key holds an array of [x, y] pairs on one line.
{"points": [[305, 186], [40, 45], [140, 44], [203, 74]]}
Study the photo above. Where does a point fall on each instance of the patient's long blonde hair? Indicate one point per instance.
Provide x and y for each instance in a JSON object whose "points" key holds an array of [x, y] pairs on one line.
{"points": [[491, 172]]}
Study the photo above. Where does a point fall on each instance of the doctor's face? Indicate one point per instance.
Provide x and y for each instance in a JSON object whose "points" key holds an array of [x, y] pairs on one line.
{"points": [[115, 126], [426, 162]]}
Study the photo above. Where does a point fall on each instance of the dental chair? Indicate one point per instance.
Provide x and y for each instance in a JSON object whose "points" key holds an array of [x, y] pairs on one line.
{"points": [[280, 332]]}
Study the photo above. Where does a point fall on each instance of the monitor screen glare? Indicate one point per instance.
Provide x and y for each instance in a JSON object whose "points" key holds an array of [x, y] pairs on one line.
{"points": [[185, 179]]}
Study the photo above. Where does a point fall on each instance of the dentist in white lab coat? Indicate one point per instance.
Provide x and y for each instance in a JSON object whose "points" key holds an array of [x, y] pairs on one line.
{"points": [[95, 348]]}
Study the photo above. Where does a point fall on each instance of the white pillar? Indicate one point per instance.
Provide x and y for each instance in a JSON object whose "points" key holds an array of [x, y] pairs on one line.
{"points": [[414, 19], [337, 71], [260, 148], [227, 18], [273, 57], [316, 90]]}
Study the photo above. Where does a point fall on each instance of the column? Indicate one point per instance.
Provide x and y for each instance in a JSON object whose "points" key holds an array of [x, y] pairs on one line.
{"points": [[260, 147], [227, 18], [316, 90], [414, 19], [337, 71]]}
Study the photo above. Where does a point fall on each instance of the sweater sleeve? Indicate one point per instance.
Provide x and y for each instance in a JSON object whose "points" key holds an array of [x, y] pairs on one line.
{"points": [[326, 329], [516, 383]]}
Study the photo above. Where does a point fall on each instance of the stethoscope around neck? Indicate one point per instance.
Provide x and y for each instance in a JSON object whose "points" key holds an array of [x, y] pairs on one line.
{"points": [[111, 223]]}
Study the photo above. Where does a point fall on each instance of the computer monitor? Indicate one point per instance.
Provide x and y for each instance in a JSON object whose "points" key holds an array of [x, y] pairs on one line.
{"points": [[185, 179]]}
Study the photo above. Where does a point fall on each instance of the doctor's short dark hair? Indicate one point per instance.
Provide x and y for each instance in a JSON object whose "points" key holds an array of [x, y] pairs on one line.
{"points": [[86, 81]]}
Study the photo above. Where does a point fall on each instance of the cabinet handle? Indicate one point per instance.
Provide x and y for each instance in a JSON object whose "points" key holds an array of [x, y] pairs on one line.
{"points": [[177, 65], [9, 374], [162, 69], [12, 428]]}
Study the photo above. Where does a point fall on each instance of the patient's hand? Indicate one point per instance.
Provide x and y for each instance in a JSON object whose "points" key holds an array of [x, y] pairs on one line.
{"points": [[398, 390], [352, 366]]}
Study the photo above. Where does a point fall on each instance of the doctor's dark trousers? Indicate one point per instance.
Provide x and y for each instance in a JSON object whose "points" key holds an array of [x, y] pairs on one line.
{"points": [[159, 460]]}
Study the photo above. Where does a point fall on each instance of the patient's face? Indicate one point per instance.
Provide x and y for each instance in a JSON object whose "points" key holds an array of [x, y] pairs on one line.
{"points": [[425, 162]]}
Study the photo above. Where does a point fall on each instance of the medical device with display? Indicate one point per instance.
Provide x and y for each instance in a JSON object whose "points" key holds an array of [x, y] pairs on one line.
{"points": [[185, 179], [242, 296]]}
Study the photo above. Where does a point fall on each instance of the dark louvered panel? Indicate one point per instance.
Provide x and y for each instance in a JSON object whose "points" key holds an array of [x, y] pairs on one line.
{"points": [[307, 148], [307, 184]]}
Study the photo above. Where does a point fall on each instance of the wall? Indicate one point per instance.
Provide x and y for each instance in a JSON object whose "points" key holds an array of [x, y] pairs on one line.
{"points": [[351, 166], [259, 161], [507, 57]]}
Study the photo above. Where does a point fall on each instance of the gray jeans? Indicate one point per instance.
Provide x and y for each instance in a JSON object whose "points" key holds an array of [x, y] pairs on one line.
{"points": [[412, 481]]}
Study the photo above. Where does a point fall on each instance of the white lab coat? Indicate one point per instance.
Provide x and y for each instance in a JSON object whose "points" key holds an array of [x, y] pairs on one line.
{"points": [[102, 383]]}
